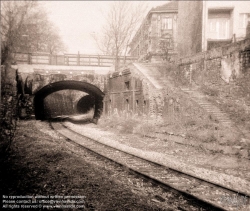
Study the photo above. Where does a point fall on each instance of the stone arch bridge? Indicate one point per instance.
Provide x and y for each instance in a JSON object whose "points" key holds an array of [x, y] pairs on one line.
{"points": [[41, 74], [36, 83], [122, 92]]}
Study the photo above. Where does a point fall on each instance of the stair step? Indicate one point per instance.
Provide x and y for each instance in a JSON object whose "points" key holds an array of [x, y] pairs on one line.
{"points": [[226, 120], [204, 103], [210, 107], [206, 106], [215, 112], [213, 109], [221, 117]]}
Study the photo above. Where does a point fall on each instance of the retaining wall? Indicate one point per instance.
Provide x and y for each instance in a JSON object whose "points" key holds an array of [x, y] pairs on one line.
{"points": [[218, 66]]}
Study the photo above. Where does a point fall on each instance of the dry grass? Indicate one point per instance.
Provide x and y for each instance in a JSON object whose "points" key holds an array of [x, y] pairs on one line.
{"points": [[233, 99], [42, 163], [162, 154]]}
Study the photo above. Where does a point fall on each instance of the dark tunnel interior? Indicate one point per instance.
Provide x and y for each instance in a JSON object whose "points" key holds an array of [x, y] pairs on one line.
{"points": [[85, 104], [61, 97], [68, 103]]}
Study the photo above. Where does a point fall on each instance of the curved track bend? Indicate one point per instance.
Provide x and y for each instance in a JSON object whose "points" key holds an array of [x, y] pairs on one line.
{"points": [[209, 194]]}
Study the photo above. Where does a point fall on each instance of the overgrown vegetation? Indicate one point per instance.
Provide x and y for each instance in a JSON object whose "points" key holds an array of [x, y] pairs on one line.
{"points": [[182, 116], [41, 163], [232, 98], [8, 112]]}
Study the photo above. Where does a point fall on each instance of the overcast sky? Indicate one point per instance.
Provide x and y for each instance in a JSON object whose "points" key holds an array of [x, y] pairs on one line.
{"points": [[77, 20]]}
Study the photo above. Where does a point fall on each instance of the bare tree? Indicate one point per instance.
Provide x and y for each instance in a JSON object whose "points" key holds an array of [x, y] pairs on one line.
{"points": [[12, 18], [122, 21], [25, 27], [51, 41]]}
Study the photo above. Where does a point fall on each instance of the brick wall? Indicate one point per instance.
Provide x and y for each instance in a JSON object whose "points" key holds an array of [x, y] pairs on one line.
{"points": [[142, 98], [125, 94]]}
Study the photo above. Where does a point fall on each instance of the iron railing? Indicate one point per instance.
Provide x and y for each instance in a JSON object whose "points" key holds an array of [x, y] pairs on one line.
{"points": [[70, 59]]}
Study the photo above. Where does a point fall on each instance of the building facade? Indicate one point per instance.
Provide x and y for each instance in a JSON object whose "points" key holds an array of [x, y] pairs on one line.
{"points": [[125, 94], [157, 34], [203, 25]]}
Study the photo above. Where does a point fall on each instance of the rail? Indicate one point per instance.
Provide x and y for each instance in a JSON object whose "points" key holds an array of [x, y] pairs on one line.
{"points": [[214, 196], [70, 59]]}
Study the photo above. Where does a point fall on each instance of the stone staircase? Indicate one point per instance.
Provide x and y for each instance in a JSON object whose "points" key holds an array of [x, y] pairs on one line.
{"points": [[150, 74], [199, 98], [159, 82]]}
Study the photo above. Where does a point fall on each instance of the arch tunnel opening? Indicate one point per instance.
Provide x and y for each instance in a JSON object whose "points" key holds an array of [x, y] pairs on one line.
{"points": [[94, 99], [85, 104]]}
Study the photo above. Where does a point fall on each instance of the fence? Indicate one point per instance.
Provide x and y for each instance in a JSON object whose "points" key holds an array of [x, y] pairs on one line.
{"points": [[70, 59]]}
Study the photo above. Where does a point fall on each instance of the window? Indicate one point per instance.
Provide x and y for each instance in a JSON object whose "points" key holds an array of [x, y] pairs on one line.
{"points": [[218, 28], [136, 105], [219, 25], [127, 104], [167, 23], [110, 105], [127, 85], [244, 19]]}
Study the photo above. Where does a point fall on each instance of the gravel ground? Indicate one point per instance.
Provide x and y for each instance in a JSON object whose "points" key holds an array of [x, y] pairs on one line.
{"points": [[229, 171], [43, 163]]}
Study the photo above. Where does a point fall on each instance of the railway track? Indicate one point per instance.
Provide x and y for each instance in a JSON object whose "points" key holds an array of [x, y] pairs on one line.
{"points": [[211, 196]]}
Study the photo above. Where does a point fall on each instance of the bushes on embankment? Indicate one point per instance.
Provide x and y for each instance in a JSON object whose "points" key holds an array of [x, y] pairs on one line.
{"points": [[8, 108]]}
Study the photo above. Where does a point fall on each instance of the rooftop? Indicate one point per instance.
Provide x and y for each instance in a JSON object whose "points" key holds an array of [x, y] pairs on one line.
{"points": [[173, 5]]}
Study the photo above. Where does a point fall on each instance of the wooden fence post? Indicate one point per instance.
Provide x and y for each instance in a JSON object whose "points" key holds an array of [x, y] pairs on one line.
{"points": [[29, 58], [78, 59]]}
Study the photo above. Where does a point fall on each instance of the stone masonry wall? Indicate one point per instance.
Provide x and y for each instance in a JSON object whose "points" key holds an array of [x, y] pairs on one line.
{"points": [[30, 83], [130, 93], [124, 94], [219, 66]]}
